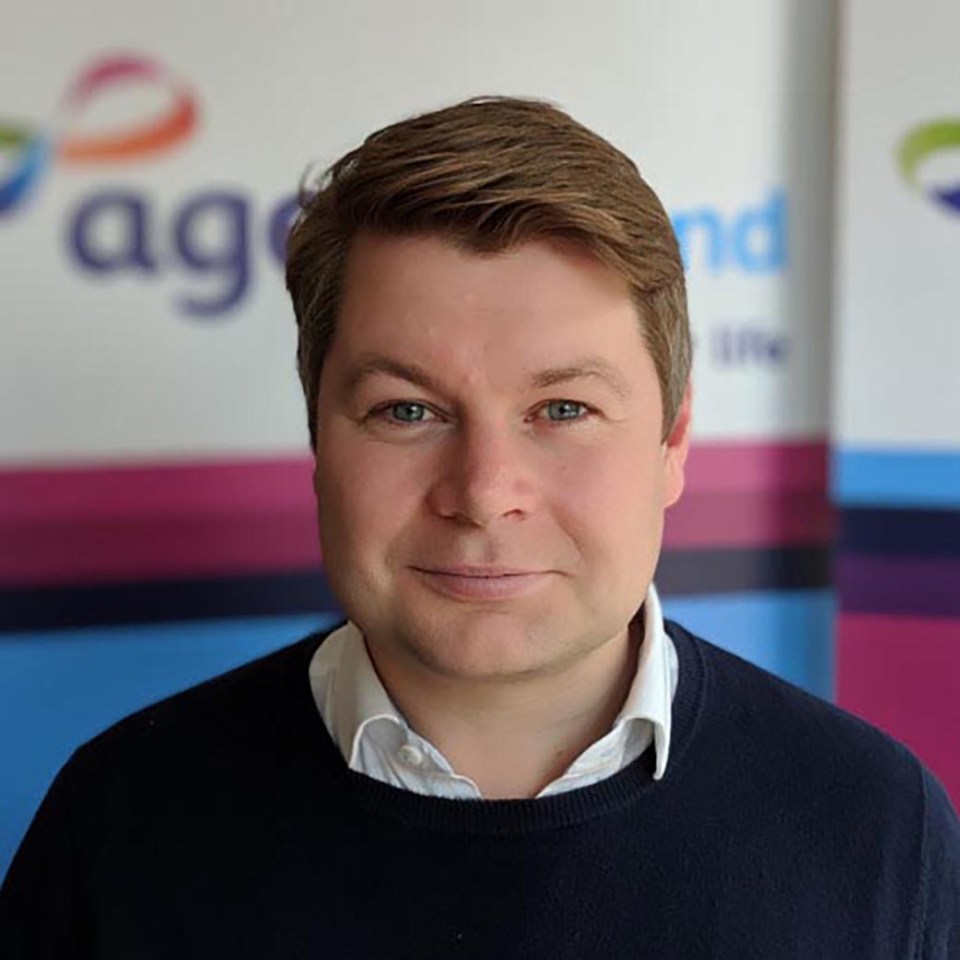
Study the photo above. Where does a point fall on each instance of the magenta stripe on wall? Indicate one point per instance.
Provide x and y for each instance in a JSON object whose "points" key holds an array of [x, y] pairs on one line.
{"points": [[903, 675], [146, 548], [753, 518], [786, 467], [107, 523], [158, 489]]}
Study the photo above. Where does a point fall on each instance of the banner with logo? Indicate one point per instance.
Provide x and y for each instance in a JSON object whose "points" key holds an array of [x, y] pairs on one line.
{"points": [[897, 425], [156, 515]]}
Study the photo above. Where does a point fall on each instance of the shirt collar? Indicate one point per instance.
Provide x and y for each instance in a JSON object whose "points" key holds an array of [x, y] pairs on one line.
{"points": [[350, 696], [650, 696], [348, 691]]}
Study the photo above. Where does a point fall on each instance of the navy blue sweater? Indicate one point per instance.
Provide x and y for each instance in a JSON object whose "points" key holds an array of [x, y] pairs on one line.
{"points": [[224, 823]]}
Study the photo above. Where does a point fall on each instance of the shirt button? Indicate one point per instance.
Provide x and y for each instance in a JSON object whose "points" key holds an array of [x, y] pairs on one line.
{"points": [[411, 755]]}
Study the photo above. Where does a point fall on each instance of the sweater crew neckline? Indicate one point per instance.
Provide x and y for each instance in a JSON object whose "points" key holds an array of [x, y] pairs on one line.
{"points": [[504, 817]]}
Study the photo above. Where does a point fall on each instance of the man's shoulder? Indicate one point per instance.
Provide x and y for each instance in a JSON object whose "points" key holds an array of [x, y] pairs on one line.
{"points": [[773, 724], [206, 724]]}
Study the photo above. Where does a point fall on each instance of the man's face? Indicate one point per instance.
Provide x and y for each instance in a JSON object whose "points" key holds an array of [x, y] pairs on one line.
{"points": [[490, 472]]}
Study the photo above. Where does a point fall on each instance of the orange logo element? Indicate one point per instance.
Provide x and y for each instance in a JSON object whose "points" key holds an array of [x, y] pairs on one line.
{"points": [[37, 149]]}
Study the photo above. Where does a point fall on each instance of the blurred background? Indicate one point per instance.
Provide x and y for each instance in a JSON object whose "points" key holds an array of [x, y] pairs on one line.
{"points": [[156, 515]]}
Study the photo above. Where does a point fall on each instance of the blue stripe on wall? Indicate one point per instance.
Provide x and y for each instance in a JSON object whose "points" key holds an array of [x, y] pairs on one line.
{"points": [[789, 633], [59, 689], [896, 477]]}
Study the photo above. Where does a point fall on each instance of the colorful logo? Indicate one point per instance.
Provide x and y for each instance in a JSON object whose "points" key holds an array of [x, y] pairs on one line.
{"points": [[37, 150], [922, 144], [211, 241]]}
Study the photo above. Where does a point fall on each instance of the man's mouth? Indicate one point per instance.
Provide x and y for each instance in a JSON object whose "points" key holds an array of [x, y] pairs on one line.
{"points": [[468, 582]]}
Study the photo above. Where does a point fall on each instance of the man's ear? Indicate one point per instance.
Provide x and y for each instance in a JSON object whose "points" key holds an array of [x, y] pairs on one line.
{"points": [[675, 450]]}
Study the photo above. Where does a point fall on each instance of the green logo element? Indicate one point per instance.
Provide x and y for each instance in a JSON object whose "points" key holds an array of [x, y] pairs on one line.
{"points": [[922, 143]]}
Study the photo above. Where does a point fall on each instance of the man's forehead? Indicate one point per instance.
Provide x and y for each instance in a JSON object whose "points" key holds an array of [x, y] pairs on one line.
{"points": [[419, 309], [391, 260]]}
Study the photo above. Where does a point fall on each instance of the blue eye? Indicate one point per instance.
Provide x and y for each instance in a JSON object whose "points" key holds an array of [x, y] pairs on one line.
{"points": [[407, 412], [565, 410]]}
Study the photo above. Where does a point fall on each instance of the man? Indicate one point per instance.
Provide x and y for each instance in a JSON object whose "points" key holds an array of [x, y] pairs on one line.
{"points": [[504, 751]]}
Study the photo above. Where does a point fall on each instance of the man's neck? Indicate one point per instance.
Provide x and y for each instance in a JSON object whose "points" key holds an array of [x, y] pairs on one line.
{"points": [[514, 738]]}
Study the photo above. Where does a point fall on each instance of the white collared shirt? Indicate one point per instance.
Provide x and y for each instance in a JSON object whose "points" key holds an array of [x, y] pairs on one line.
{"points": [[376, 740]]}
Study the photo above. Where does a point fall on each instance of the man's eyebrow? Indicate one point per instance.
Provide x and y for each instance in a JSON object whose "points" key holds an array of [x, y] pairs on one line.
{"points": [[586, 368], [391, 368]]}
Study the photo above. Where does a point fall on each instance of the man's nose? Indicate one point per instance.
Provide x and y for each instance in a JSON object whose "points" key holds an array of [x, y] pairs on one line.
{"points": [[485, 474]]}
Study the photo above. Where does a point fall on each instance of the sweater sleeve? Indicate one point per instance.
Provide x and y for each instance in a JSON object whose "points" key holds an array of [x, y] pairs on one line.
{"points": [[940, 933], [42, 916]]}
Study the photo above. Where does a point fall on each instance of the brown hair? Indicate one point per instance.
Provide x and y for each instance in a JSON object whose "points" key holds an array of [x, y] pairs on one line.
{"points": [[490, 173]]}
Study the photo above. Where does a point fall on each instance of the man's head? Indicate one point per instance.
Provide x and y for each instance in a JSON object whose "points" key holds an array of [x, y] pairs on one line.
{"points": [[489, 174], [494, 348]]}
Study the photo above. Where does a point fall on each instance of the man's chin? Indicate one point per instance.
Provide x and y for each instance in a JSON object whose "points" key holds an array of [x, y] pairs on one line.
{"points": [[487, 643]]}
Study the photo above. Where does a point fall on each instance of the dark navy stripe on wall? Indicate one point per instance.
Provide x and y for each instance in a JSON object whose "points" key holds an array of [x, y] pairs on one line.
{"points": [[680, 573], [917, 532], [686, 572], [50, 608]]}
